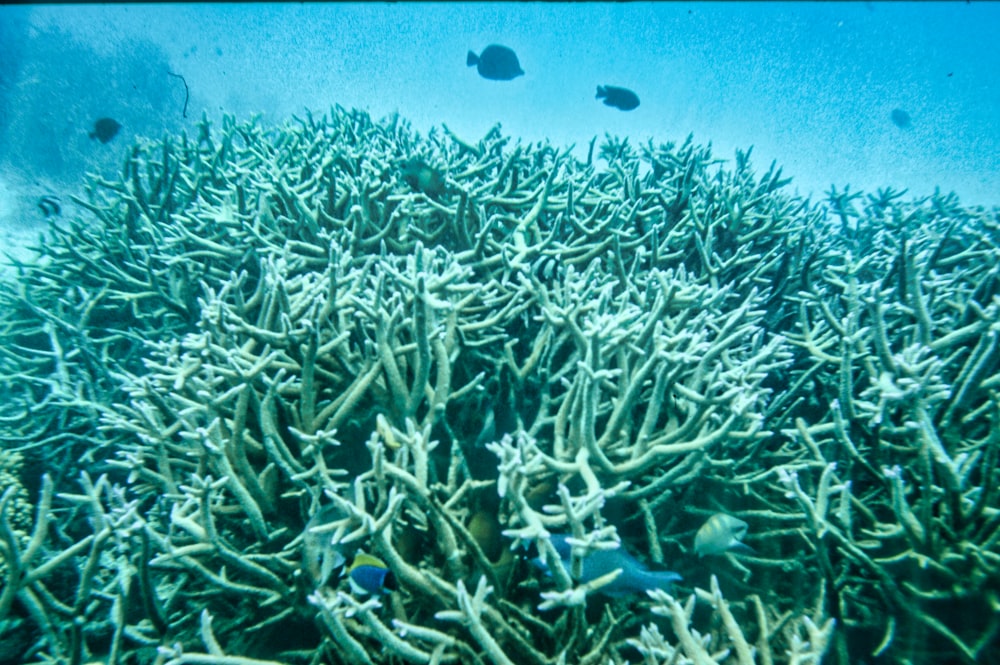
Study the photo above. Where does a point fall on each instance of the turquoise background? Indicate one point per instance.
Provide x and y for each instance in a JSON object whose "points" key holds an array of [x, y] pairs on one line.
{"points": [[811, 85]]}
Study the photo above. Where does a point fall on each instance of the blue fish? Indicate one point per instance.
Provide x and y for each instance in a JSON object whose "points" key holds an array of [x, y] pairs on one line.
{"points": [[369, 574], [634, 578]]}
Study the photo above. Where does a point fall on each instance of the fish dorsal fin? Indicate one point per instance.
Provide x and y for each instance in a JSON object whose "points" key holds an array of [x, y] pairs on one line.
{"points": [[362, 559]]}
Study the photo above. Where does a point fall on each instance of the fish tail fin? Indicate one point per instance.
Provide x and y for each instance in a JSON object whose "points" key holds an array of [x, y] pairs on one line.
{"points": [[662, 579], [471, 60], [92, 135], [601, 92]]}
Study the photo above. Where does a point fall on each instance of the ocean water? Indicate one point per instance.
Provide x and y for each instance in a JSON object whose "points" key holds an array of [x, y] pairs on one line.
{"points": [[314, 330], [810, 85]]}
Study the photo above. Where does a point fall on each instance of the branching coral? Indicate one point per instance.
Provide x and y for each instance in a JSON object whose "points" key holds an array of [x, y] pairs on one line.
{"points": [[258, 326], [807, 641], [908, 444]]}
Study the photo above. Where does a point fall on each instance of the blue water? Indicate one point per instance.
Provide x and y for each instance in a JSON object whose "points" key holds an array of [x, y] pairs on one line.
{"points": [[811, 85]]}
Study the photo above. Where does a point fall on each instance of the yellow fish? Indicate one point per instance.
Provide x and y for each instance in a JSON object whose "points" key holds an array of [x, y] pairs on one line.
{"points": [[719, 534]]}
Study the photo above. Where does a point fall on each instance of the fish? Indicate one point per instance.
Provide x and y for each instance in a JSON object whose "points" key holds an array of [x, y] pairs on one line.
{"points": [[423, 177], [548, 269], [496, 63], [49, 205], [620, 98], [719, 534], [484, 527], [900, 118], [105, 129], [369, 575], [320, 554], [634, 578]]}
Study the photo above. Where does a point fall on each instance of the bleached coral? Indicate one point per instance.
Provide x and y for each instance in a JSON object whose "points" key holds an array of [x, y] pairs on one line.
{"points": [[265, 322]]}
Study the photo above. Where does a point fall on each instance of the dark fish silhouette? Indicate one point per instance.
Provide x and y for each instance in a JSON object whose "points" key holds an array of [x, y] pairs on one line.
{"points": [[49, 205], [423, 177], [900, 118], [620, 98], [105, 129], [497, 63]]}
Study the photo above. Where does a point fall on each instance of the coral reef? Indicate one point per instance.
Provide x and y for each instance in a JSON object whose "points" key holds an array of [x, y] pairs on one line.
{"points": [[256, 324]]}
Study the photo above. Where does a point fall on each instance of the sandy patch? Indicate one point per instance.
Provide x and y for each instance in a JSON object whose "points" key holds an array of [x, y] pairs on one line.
{"points": [[22, 222]]}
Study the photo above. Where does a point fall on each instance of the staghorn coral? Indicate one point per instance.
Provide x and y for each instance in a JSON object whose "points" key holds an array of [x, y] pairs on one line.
{"points": [[17, 508], [256, 323]]}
